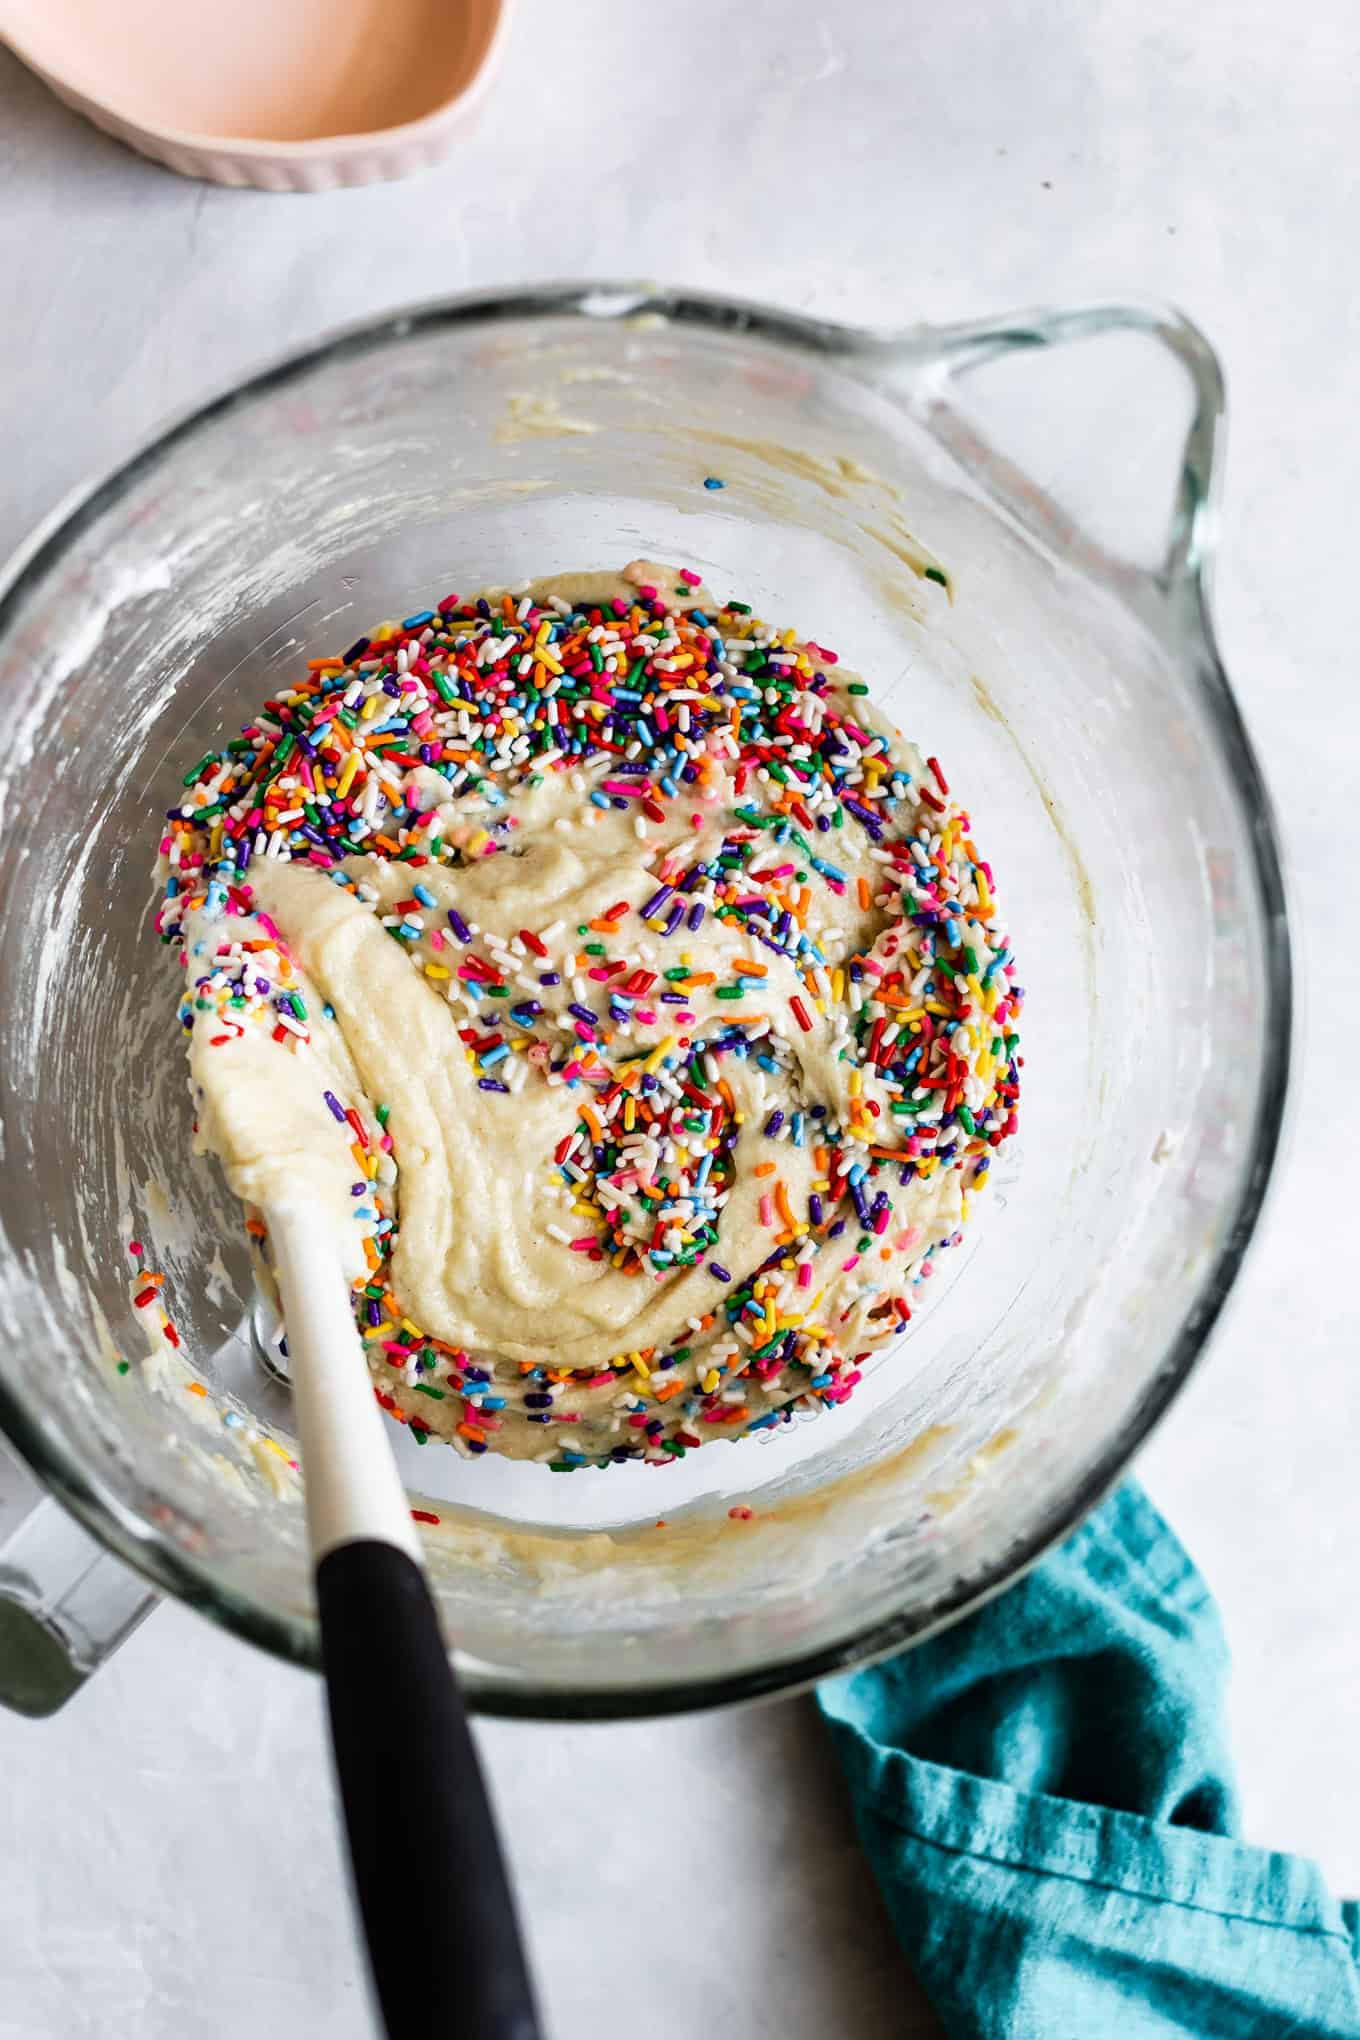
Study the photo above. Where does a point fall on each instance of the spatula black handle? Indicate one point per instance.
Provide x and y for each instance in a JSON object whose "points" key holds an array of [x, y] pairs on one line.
{"points": [[443, 1940]]}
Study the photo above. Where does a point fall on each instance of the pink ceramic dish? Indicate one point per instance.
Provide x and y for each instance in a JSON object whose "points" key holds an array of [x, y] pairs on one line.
{"points": [[287, 95]]}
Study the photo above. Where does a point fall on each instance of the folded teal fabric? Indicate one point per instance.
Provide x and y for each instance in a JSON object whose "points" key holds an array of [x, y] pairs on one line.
{"points": [[1046, 1797]]}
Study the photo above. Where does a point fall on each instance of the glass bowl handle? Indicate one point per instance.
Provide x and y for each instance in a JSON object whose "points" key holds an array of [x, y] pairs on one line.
{"points": [[929, 366], [65, 1603]]}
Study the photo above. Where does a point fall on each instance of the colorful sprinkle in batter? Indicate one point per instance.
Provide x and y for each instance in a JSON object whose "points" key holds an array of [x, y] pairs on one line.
{"points": [[630, 997]]}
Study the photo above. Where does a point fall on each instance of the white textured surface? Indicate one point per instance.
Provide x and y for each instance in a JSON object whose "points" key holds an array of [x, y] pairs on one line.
{"points": [[174, 1867]]}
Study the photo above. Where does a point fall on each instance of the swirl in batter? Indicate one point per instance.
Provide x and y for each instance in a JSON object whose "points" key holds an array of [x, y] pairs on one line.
{"points": [[629, 997]]}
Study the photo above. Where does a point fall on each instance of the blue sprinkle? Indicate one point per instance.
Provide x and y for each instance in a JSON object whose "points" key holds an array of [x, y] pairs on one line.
{"points": [[712, 482], [424, 895]]}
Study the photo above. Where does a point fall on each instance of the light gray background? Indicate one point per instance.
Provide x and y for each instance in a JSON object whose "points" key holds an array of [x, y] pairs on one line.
{"points": [[170, 1862]]}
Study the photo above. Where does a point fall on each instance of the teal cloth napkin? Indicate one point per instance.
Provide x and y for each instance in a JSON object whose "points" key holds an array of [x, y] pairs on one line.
{"points": [[1046, 1797]]}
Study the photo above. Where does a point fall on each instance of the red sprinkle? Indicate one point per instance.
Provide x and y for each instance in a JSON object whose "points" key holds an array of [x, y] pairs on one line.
{"points": [[940, 779], [800, 1013], [531, 941]]}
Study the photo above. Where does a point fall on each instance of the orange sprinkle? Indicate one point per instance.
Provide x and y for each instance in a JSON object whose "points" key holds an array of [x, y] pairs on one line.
{"points": [[196, 1388], [781, 1199], [765, 1169], [596, 1130], [748, 968], [865, 896]]}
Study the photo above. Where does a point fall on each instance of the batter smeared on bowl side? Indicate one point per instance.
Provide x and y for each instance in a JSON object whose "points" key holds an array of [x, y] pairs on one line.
{"points": [[629, 997]]}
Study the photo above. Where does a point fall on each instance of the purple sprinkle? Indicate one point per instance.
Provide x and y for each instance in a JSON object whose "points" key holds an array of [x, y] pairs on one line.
{"points": [[673, 999], [774, 1122], [837, 1229], [357, 1189], [538, 1402], [583, 1013], [550, 977], [696, 913], [337, 1110], [374, 1311], [674, 918], [722, 1274], [861, 1203], [459, 925], [490, 1084], [814, 1207], [657, 902]]}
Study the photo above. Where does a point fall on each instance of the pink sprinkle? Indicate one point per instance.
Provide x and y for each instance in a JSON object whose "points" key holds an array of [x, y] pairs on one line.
{"points": [[882, 1222], [767, 1210], [690, 580], [907, 1239], [436, 938], [583, 1246], [853, 1262], [647, 1017], [805, 1274], [647, 592]]}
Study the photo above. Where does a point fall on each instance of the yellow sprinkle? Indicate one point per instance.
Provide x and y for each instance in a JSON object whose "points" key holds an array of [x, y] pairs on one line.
{"points": [[838, 986], [983, 891], [347, 775], [711, 1380], [382, 1331], [478, 843], [658, 1055], [437, 970], [641, 1365], [372, 706], [274, 1446]]}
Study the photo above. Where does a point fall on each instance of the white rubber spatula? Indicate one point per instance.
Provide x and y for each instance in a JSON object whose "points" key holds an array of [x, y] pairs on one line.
{"points": [[443, 1940]]}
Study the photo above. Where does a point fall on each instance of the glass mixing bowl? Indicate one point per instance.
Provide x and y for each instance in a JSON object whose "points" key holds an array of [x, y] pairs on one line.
{"points": [[1067, 676]]}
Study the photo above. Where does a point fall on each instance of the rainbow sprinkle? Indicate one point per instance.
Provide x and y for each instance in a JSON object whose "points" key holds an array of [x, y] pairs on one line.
{"points": [[410, 747]]}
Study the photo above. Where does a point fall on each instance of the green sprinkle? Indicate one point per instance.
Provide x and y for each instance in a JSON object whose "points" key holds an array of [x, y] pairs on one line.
{"points": [[856, 687], [966, 1120], [206, 759], [423, 1388], [934, 574], [123, 1366], [421, 1437], [596, 949], [731, 991]]}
